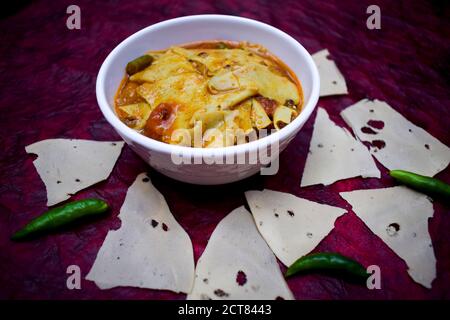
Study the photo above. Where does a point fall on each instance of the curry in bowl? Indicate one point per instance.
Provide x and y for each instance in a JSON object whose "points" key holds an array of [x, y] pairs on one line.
{"points": [[208, 94]]}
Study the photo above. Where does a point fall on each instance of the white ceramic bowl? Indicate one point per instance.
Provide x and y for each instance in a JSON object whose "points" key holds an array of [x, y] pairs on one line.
{"points": [[195, 28]]}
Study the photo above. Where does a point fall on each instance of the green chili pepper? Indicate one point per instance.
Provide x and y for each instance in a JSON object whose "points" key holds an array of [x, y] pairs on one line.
{"points": [[222, 45], [327, 261], [424, 184], [139, 64], [61, 216]]}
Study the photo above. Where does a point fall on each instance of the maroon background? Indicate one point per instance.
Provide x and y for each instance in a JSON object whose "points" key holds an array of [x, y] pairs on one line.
{"points": [[47, 79]]}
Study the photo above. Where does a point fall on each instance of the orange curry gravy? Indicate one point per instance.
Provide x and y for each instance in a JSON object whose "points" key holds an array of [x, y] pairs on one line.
{"points": [[159, 125]]}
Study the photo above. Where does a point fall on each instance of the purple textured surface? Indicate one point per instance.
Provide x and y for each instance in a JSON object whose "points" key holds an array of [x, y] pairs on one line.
{"points": [[47, 83]]}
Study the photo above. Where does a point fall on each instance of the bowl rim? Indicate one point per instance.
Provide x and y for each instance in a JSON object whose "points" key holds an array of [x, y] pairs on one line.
{"points": [[162, 147]]}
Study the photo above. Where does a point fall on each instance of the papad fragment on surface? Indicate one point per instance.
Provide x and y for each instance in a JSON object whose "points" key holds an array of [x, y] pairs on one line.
{"points": [[149, 250], [67, 166], [237, 264], [291, 226], [399, 216]]}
